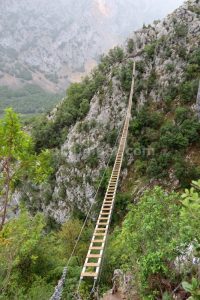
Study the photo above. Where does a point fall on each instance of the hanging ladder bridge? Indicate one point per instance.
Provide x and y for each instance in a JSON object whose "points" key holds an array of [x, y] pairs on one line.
{"points": [[94, 258], [95, 253]]}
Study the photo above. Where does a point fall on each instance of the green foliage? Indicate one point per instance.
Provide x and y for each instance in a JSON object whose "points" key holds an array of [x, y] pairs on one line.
{"points": [[26, 257], [147, 246], [18, 158], [111, 137], [149, 50], [181, 114], [149, 129], [152, 81], [185, 171], [130, 45], [93, 159], [155, 232], [29, 100], [193, 288], [181, 30], [170, 94], [116, 55], [190, 214], [172, 138], [31, 261], [170, 67], [125, 76], [188, 91], [194, 9]]}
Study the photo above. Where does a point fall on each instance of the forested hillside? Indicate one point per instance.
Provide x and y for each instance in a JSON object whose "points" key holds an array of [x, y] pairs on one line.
{"points": [[154, 236]]}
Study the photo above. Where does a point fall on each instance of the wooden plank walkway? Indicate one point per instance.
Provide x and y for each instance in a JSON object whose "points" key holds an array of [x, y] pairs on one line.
{"points": [[96, 249]]}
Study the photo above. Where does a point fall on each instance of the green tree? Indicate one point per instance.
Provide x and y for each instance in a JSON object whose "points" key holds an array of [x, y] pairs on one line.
{"points": [[30, 260], [18, 159], [130, 45]]}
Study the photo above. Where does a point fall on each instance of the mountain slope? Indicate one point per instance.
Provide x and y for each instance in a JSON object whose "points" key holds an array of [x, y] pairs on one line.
{"points": [[167, 58], [48, 45]]}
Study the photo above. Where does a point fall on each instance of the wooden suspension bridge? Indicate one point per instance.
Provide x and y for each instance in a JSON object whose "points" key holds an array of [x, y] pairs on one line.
{"points": [[95, 253], [94, 258]]}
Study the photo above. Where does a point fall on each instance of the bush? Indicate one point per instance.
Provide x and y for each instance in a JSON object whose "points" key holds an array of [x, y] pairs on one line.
{"points": [[181, 113], [170, 94], [190, 128], [172, 139], [125, 76], [93, 160], [185, 172], [111, 137], [149, 50], [158, 167], [192, 71], [188, 91], [130, 45], [140, 67], [147, 246], [181, 30], [170, 67], [152, 81]]}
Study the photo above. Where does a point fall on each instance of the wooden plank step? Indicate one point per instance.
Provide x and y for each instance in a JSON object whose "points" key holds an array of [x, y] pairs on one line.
{"points": [[100, 229], [102, 223], [103, 218], [91, 265], [98, 241], [99, 234], [94, 255], [95, 248], [88, 274]]}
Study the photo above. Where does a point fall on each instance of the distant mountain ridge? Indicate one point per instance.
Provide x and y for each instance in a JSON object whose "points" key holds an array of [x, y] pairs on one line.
{"points": [[50, 44]]}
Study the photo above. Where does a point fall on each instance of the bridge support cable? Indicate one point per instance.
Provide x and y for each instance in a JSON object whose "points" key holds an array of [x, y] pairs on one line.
{"points": [[96, 249]]}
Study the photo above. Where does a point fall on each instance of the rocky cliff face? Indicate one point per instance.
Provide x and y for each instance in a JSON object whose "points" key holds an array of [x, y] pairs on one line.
{"points": [[53, 43], [161, 51]]}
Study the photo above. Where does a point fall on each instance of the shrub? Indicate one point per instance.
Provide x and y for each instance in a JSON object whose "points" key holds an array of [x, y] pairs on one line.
{"points": [[170, 67], [158, 167], [140, 67], [125, 76], [171, 138], [84, 107], [182, 52], [190, 128], [185, 172], [149, 50], [93, 160], [181, 30], [181, 113], [188, 91], [192, 71], [152, 81], [116, 55], [130, 45], [147, 246], [195, 57], [111, 137], [170, 94]]}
